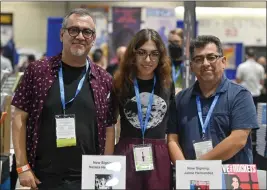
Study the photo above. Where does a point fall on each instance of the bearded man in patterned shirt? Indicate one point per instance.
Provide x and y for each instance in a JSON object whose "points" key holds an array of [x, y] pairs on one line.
{"points": [[63, 110]]}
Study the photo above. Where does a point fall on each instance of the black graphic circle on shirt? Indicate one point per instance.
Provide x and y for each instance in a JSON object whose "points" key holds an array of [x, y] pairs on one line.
{"points": [[158, 110]]}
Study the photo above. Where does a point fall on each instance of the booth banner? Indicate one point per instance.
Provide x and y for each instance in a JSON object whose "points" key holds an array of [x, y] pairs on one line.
{"points": [[125, 23], [198, 174], [229, 51], [189, 34], [103, 172], [234, 56], [162, 20]]}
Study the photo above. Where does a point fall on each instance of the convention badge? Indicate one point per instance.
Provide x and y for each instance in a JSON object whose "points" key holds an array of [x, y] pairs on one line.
{"points": [[202, 148], [65, 130], [143, 157]]}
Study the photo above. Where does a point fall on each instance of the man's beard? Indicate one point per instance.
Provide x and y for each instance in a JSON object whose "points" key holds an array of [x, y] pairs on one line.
{"points": [[77, 52]]}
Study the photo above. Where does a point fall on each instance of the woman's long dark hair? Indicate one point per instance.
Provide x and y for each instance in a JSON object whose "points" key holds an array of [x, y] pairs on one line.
{"points": [[123, 79], [230, 181]]}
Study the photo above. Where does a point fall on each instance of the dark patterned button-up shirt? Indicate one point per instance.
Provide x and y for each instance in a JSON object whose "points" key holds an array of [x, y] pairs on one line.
{"points": [[33, 89]]}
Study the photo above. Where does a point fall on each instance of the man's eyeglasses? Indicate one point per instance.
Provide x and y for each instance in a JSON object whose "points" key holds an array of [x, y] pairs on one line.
{"points": [[154, 55], [199, 60], [75, 31]]}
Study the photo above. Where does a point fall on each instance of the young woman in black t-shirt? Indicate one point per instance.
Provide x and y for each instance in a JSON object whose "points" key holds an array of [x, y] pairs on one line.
{"points": [[144, 89]]}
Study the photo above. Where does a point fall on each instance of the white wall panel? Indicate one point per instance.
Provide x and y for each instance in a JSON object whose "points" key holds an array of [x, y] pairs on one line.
{"points": [[30, 21]]}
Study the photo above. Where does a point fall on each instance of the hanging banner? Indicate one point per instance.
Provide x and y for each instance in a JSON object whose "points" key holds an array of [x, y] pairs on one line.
{"points": [[189, 34], [125, 23], [161, 20]]}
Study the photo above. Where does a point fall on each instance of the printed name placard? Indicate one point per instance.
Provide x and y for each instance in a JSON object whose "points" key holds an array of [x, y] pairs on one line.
{"points": [[103, 172], [198, 174]]}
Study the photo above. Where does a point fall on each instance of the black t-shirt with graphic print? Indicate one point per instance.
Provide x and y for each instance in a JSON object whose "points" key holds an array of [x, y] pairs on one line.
{"points": [[157, 123]]}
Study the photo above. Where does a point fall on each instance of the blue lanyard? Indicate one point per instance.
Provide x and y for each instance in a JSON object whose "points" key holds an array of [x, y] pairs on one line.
{"points": [[61, 86], [175, 75], [199, 110], [149, 106]]}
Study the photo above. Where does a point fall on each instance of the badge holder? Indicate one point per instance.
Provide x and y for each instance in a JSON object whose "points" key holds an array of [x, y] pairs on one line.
{"points": [[202, 147], [143, 154], [65, 130], [205, 145], [143, 157]]}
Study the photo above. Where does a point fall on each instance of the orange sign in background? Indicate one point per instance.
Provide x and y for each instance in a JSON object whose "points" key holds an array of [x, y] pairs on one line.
{"points": [[5, 18], [229, 52]]}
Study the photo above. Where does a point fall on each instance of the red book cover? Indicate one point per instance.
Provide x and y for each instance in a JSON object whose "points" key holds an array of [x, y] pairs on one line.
{"points": [[240, 176]]}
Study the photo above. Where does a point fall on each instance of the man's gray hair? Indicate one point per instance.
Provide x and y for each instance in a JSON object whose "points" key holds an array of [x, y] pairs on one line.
{"points": [[78, 11]]}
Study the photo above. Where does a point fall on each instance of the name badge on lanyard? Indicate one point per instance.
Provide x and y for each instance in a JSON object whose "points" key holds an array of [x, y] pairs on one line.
{"points": [[143, 154], [204, 146], [65, 124]]}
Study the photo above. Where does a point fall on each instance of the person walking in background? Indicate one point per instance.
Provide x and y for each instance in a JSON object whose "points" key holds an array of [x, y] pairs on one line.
{"points": [[25, 64], [5, 62], [250, 74], [60, 114], [111, 69], [144, 89], [175, 47], [99, 58], [262, 60]]}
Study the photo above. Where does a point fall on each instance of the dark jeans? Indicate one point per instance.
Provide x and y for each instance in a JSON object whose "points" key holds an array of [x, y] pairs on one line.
{"points": [[64, 185], [56, 181]]}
